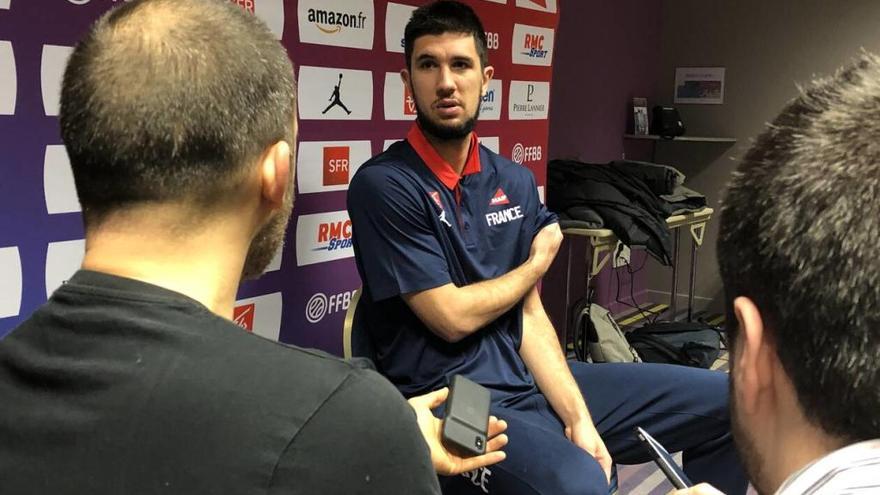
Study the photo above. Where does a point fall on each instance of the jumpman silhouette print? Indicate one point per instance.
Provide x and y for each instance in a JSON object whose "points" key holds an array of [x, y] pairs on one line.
{"points": [[334, 98]]}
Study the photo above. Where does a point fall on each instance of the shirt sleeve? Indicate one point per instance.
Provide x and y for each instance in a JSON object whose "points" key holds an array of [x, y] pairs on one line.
{"points": [[364, 439], [539, 212], [395, 243]]}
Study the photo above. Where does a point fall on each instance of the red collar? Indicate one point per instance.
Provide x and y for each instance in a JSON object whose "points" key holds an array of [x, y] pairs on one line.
{"points": [[440, 167]]}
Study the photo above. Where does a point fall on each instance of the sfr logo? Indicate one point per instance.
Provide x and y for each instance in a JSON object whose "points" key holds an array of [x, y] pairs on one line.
{"points": [[336, 162], [245, 4]]}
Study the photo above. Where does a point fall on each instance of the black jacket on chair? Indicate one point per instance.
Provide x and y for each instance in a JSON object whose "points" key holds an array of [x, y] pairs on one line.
{"points": [[627, 205]]}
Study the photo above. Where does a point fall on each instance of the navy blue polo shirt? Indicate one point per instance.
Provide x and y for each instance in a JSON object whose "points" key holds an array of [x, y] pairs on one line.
{"points": [[417, 225]]}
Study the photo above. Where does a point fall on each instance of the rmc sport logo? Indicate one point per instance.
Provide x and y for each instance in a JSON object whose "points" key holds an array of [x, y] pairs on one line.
{"points": [[333, 236], [534, 46]]}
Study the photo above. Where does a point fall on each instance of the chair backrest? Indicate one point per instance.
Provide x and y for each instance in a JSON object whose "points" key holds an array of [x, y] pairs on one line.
{"points": [[355, 335]]}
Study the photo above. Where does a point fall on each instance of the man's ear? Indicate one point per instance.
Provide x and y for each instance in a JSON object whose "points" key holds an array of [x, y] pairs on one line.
{"points": [[275, 172], [405, 77], [488, 72], [755, 356]]}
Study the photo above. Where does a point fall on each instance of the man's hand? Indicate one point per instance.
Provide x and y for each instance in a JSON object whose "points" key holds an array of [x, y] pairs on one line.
{"points": [[701, 489], [585, 436], [544, 247], [444, 461]]}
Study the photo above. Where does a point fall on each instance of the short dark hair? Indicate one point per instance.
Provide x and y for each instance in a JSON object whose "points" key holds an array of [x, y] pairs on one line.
{"points": [[444, 16], [171, 100], [798, 235]]}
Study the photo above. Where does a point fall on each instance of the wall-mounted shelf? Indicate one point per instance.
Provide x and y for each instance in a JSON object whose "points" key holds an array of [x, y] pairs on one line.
{"points": [[680, 139], [692, 139]]}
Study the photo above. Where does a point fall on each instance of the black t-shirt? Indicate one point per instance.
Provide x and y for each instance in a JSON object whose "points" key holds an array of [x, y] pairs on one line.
{"points": [[116, 386]]}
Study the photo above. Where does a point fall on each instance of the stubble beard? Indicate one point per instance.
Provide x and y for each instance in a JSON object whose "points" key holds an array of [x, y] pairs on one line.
{"points": [[267, 241], [748, 451], [446, 132]]}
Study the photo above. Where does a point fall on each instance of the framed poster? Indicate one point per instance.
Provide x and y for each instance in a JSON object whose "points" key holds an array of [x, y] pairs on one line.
{"points": [[701, 85]]}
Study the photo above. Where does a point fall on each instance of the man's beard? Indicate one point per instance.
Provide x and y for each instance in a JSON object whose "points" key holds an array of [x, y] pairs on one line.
{"points": [[446, 132], [748, 452], [268, 240]]}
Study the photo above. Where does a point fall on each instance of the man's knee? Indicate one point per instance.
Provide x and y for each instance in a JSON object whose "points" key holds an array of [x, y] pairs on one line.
{"points": [[574, 477]]}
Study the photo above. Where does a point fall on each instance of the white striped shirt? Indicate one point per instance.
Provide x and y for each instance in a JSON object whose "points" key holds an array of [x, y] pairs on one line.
{"points": [[854, 469]]}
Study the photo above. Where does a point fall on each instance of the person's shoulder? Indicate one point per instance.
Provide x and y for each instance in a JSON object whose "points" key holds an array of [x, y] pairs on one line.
{"points": [[506, 167], [391, 164], [298, 367], [295, 378], [274, 356], [393, 160], [389, 173], [363, 412], [362, 382]]}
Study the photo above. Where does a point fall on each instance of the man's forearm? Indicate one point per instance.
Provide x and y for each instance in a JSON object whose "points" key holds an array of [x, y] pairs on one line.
{"points": [[453, 312], [456, 312], [543, 357]]}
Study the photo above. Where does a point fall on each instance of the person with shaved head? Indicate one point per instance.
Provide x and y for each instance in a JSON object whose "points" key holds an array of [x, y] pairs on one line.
{"points": [[179, 120]]}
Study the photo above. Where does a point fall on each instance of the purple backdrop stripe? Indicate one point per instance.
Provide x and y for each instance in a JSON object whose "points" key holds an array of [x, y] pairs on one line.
{"points": [[351, 105]]}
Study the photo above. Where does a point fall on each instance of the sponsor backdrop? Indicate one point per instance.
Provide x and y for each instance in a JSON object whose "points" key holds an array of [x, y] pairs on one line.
{"points": [[352, 105]]}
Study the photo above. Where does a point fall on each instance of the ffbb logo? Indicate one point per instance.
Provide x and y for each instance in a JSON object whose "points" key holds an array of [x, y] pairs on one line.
{"points": [[321, 305], [523, 154], [336, 164]]}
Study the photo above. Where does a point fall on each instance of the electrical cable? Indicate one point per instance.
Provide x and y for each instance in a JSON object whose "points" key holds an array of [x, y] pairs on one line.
{"points": [[646, 314]]}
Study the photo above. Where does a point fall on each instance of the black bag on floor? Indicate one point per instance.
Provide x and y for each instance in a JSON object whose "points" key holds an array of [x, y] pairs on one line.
{"points": [[681, 342]]}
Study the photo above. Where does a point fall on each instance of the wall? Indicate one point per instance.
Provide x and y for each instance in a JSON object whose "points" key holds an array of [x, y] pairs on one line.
{"points": [[766, 47], [606, 53], [303, 297]]}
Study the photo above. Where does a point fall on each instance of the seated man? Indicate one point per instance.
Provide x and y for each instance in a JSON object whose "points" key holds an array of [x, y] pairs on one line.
{"points": [[178, 116], [797, 252], [450, 240]]}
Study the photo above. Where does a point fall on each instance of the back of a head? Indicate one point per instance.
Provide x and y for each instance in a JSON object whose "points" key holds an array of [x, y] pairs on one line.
{"points": [[170, 100], [798, 236], [445, 16]]}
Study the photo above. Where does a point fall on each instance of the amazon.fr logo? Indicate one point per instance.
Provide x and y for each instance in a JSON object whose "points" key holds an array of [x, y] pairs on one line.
{"points": [[332, 22]]}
